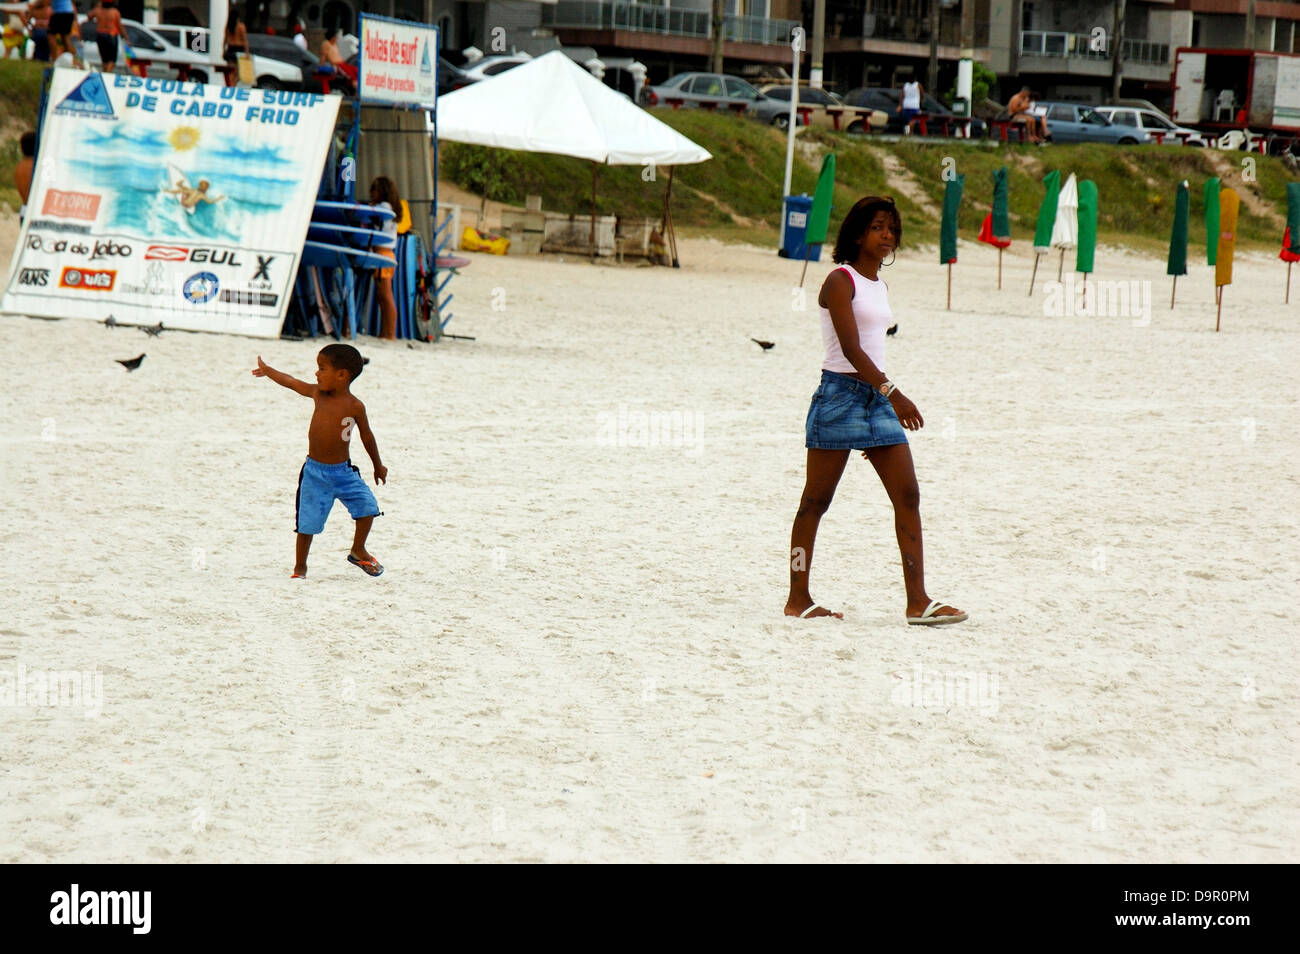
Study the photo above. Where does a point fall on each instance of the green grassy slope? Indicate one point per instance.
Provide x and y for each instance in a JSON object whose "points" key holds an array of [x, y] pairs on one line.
{"points": [[20, 97], [737, 194]]}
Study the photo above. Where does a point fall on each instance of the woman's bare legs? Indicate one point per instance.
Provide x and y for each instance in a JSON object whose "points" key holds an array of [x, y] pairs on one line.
{"points": [[825, 467]]}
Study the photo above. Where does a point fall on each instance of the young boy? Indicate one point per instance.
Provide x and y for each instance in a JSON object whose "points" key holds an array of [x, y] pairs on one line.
{"points": [[328, 473]]}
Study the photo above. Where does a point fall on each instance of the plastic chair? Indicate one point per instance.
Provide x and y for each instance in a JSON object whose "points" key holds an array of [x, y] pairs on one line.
{"points": [[1225, 101]]}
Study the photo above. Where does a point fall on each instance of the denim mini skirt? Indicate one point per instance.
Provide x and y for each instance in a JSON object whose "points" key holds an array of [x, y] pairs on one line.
{"points": [[848, 414]]}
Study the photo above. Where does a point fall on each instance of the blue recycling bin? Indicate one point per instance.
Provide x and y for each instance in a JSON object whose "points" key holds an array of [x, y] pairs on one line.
{"points": [[794, 226]]}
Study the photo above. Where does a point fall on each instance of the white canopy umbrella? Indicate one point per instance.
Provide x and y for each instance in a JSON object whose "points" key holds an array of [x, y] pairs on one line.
{"points": [[1065, 231], [552, 104]]}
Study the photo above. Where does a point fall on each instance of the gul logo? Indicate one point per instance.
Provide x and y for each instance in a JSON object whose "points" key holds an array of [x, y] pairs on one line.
{"points": [[214, 256], [71, 205], [110, 249], [167, 253], [90, 98], [40, 277], [200, 288], [95, 279]]}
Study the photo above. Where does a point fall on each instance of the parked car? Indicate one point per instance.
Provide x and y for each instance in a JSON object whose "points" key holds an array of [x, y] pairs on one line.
{"points": [[1077, 122], [694, 89], [1152, 120], [451, 77], [490, 66], [889, 101], [168, 46], [284, 50], [825, 107]]}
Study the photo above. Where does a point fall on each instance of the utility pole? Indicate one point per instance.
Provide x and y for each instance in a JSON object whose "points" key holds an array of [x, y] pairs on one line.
{"points": [[1250, 24], [715, 61], [818, 43], [1117, 65], [932, 78]]}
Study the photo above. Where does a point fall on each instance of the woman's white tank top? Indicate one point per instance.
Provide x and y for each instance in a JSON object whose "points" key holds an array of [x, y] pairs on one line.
{"points": [[873, 316]]}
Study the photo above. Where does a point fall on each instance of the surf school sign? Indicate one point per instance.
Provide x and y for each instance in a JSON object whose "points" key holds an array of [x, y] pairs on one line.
{"points": [[157, 200], [398, 61]]}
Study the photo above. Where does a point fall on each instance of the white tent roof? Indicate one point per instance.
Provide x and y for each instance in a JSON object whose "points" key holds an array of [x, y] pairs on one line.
{"points": [[1065, 231], [552, 104]]}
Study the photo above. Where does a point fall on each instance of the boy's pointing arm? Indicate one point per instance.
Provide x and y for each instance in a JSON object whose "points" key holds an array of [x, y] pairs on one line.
{"points": [[264, 370]]}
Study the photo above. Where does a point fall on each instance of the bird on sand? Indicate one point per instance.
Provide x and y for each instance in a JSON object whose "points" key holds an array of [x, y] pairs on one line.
{"points": [[892, 329], [765, 345], [130, 363], [155, 331], [110, 322]]}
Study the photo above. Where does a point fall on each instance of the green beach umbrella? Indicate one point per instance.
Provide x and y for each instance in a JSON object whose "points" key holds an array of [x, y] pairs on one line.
{"points": [[948, 228], [819, 219], [1178, 238], [1046, 219], [1211, 221], [996, 230], [1087, 227], [1291, 240]]}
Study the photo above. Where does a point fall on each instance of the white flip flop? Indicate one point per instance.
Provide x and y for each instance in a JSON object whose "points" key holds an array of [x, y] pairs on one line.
{"points": [[929, 619], [806, 613]]}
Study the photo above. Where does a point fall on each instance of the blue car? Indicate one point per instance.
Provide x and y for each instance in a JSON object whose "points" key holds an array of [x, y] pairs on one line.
{"points": [[1076, 122]]}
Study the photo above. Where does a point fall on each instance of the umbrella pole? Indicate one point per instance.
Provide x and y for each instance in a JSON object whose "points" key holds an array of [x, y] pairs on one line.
{"points": [[999, 269], [807, 254], [670, 233], [1288, 283], [595, 169], [1173, 291], [1085, 290], [1060, 264], [950, 286], [1033, 275], [1218, 312]]}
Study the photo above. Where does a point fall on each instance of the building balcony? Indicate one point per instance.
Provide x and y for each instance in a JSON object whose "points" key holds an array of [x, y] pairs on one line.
{"points": [[602, 15], [1048, 52]]}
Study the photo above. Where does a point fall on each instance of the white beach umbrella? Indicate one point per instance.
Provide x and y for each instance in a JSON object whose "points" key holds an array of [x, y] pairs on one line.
{"points": [[1065, 230]]}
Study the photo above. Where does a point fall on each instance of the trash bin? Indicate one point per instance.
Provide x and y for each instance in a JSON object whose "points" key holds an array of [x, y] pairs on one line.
{"points": [[794, 225]]}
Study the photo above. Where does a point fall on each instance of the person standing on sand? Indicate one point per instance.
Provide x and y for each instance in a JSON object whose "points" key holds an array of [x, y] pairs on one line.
{"points": [[858, 407], [37, 18], [108, 24], [383, 195], [328, 473]]}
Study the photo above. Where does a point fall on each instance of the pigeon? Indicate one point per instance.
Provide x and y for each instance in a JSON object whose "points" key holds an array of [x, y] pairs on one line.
{"points": [[130, 363], [765, 345], [893, 329], [110, 322], [155, 331]]}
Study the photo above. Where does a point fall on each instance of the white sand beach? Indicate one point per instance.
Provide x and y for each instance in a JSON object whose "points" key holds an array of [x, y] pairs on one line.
{"points": [[577, 652]]}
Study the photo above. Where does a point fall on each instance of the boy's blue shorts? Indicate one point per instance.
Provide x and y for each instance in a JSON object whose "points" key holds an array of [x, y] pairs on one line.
{"points": [[319, 485]]}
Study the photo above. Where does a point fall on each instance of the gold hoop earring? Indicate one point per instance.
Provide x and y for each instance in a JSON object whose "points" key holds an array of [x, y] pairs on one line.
{"points": [[892, 260]]}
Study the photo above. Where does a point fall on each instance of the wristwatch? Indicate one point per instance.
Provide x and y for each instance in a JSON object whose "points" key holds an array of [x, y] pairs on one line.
{"points": [[888, 388]]}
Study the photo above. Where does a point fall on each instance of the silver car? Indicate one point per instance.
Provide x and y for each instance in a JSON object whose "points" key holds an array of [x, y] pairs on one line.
{"points": [[1153, 121], [718, 91]]}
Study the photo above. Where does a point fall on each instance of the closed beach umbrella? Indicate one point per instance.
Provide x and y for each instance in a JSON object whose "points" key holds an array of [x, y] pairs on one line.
{"points": [[1087, 226], [1047, 211], [1178, 237], [1046, 219], [1211, 220], [948, 228], [1291, 237], [996, 230], [1065, 230], [1228, 204], [819, 218]]}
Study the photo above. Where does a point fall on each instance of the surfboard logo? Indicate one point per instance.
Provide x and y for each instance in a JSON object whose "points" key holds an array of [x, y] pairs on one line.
{"points": [[90, 98], [167, 253], [200, 288], [425, 66]]}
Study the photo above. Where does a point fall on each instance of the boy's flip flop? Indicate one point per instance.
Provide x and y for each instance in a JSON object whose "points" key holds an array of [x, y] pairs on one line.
{"points": [[371, 567], [807, 614], [929, 619]]}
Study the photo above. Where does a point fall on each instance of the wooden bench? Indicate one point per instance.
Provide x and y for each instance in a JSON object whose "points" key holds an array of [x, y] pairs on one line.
{"points": [[1003, 126]]}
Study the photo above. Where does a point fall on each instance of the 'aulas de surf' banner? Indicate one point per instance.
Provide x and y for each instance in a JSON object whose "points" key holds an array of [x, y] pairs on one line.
{"points": [[398, 61], [157, 200]]}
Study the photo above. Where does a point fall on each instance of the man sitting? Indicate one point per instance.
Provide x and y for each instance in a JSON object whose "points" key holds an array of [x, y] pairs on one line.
{"points": [[1019, 110]]}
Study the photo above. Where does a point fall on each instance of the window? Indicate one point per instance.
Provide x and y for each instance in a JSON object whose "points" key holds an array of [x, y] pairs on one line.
{"points": [[496, 68], [781, 93], [141, 40], [1062, 113], [1091, 117], [1152, 121], [739, 89], [1124, 117], [706, 84], [817, 96]]}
